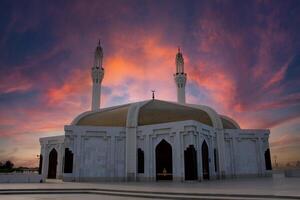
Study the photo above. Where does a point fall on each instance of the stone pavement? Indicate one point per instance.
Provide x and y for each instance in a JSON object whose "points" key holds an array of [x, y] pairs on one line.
{"points": [[277, 187]]}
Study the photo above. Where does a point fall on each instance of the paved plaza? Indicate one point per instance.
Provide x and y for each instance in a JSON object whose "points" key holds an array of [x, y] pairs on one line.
{"points": [[277, 187]]}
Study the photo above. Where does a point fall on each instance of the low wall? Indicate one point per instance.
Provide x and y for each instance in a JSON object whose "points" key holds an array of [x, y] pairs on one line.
{"points": [[292, 173], [20, 178]]}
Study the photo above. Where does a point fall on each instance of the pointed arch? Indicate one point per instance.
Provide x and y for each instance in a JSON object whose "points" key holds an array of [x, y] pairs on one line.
{"points": [[190, 163], [68, 161], [164, 161], [52, 167]]}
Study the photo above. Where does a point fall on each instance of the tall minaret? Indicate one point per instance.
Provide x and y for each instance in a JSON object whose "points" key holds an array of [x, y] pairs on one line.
{"points": [[97, 77], [180, 77]]}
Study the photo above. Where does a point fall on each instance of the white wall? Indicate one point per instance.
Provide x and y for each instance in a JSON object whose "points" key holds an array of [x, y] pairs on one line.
{"points": [[244, 150], [47, 144], [99, 152], [20, 178], [180, 135]]}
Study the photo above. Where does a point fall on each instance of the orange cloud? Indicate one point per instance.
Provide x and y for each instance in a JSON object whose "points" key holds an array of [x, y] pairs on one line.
{"points": [[221, 88], [74, 85]]}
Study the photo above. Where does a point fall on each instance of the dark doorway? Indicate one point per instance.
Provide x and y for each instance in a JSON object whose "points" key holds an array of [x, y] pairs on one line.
{"points": [[205, 161], [140, 161], [41, 164], [52, 164], [68, 164], [190, 163], [268, 160], [163, 155]]}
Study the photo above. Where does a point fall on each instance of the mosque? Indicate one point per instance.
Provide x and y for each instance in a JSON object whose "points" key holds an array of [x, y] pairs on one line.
{"points": [[153, 140]]}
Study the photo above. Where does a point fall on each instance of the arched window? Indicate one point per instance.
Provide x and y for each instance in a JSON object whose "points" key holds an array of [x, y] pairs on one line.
{"points": [[140, 161], [164, 161], [268, 160], [68, 164], [52, 167], [190, 163]]}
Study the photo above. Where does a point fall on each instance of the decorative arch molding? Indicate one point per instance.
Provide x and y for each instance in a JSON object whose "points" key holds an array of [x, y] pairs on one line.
{"points": [[202, 140], [166, 138], [190, 138], [50, 147], [53, 148]]}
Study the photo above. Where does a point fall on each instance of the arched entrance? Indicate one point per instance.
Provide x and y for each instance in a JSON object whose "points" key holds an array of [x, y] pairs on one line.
{"points": [[268, 160], [163, 155], [141, 161], [52, 164], [190, 163], [205, 161]]}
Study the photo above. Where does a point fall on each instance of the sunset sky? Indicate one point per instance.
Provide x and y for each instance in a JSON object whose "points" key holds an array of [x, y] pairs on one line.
{"points": [[242, 59]]}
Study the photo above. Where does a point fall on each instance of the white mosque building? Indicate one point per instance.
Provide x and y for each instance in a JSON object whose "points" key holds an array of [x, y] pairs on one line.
{"points": [[153, 140]]}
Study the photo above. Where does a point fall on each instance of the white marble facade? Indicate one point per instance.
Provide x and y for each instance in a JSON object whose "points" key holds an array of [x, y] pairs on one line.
{"points": [[49, 144], [100, 152]]}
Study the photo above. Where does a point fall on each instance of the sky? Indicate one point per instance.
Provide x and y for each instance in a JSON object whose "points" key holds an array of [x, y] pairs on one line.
{"points": [[242, 59]]}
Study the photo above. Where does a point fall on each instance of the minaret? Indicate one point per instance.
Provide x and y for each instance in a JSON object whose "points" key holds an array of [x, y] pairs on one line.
{"points": [[180, 77], [97, 77]]}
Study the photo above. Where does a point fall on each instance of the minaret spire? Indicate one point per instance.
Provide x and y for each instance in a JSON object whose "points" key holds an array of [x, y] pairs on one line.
{"points": [[97, 77], [98, 56], [180, 77]]}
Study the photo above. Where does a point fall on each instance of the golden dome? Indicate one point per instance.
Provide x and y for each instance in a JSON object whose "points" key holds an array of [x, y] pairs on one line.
{"points": [[152, 112], [156, 112], [115, 116]]}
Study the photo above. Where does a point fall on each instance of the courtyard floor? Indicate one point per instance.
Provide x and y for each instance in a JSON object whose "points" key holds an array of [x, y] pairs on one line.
{"points": [[276, 187]]}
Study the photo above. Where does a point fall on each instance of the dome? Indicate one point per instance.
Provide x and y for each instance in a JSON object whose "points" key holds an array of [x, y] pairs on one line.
{"points": [[152, 112], [156, 112], [115, 116]]}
